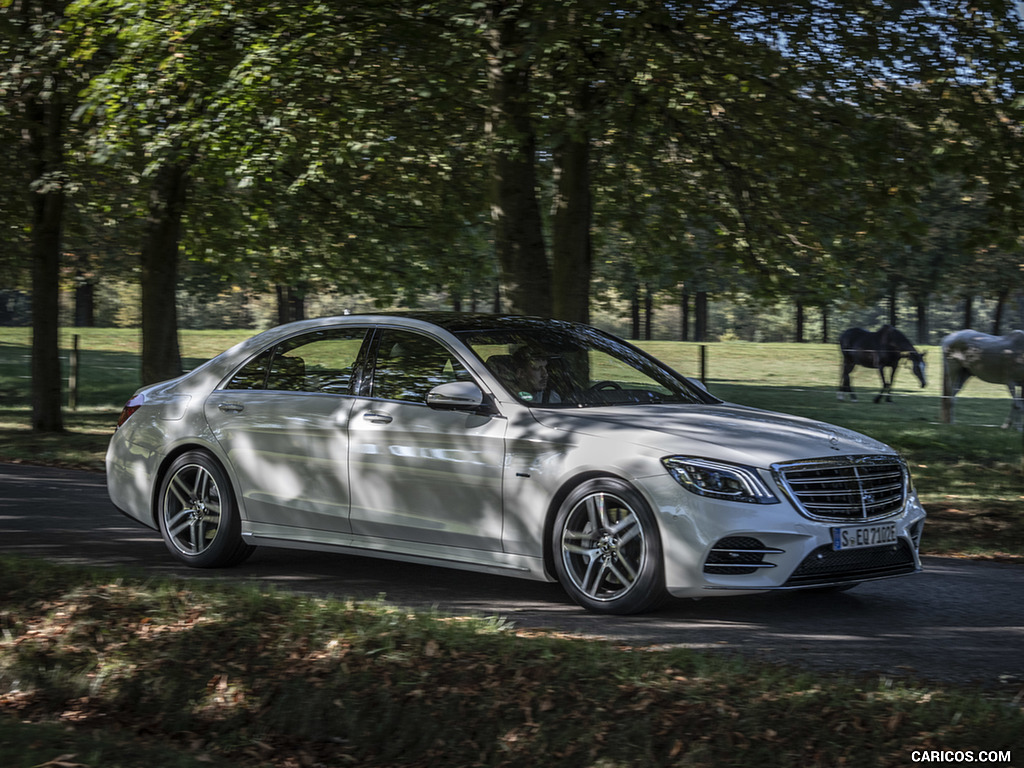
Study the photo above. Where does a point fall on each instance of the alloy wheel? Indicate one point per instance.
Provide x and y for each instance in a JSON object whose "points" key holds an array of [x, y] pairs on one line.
{"points": [[192, 509]]}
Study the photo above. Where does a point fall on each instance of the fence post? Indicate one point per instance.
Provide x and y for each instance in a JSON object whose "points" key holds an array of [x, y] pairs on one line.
{"points": [[73, 376]]}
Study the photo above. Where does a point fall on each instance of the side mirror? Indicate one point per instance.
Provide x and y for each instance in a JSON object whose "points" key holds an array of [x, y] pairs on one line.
{"points": [[456, 396]]}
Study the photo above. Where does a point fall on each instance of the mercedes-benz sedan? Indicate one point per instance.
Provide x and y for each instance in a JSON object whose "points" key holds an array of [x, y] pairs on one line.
{"points": [[510, 445]]}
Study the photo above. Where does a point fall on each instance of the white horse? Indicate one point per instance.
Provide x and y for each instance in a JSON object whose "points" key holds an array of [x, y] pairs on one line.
{"points": [[995, 359]]}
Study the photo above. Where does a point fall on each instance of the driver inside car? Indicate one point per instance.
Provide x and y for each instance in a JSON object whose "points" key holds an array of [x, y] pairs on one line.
{"points": [[530, 377]]}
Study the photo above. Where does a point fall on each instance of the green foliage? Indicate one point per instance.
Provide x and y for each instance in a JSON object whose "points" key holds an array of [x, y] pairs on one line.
{"points": [[788, 148]]}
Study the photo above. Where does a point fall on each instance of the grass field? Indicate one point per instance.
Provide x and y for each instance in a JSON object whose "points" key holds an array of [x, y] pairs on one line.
{"points": [[969, 474]]}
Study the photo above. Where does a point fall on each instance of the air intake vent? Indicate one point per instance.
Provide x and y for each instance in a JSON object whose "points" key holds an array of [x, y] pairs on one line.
{"points": [[824, 566], [845, 489], [738, 555]]}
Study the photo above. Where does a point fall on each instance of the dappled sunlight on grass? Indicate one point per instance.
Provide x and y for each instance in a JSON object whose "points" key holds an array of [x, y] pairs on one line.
{"points": [[230, 673], [82, 445]]}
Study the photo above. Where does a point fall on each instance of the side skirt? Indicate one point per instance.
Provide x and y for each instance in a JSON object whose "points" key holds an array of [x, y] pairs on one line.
{"points": [[479, 561]]}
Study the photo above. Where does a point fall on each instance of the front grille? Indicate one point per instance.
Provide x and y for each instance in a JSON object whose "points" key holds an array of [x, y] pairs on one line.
{"points": [[738, 555], [826, 566], [847, 488]]}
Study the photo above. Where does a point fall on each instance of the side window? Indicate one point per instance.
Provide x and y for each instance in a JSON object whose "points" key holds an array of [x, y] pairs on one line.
{"points": [[253, 375], [321, 361], [410, 365]]}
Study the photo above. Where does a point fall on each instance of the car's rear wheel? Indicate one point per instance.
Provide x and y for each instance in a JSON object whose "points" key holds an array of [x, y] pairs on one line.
{"points": [[198, 516], [607, 549]]}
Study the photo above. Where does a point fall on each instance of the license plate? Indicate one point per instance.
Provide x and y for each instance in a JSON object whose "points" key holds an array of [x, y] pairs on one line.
{"points": [[862, 536]]}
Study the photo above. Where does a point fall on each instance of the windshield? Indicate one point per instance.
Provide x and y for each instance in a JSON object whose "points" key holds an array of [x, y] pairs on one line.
{"points": [[576, 366]]}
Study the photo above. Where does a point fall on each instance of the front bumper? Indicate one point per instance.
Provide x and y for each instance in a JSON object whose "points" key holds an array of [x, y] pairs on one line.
{"points": [[716, 547]]}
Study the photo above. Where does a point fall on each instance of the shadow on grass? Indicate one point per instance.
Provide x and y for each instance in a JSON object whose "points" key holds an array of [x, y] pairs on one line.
{"points": [[264, 678], [82, 445]]}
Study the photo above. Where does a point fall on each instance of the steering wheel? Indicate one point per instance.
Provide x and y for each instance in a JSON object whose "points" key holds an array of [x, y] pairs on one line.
{"points": [[606, 384]]}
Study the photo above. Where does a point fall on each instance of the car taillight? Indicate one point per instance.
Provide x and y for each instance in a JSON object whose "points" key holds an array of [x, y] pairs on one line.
{"points": [[129, 408]]}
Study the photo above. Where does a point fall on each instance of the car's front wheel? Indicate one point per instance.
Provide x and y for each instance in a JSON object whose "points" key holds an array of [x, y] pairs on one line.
{"points": [[198, 516], [607, 549]]}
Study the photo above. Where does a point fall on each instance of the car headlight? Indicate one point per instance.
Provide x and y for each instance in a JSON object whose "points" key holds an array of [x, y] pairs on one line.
{"points": [[715, 480]]}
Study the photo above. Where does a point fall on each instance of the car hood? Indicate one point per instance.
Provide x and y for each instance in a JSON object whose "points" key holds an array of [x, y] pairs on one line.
{"points": [[724, 432]]}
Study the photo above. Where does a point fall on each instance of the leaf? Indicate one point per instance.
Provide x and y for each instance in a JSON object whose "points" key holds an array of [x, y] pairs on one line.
{"points": [[63, 761]]}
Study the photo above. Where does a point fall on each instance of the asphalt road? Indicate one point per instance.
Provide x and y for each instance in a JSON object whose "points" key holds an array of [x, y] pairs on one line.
{"points": [[960, 621]]}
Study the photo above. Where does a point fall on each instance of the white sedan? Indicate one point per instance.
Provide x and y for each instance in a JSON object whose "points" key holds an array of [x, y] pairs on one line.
{"points": [[510, 445]]}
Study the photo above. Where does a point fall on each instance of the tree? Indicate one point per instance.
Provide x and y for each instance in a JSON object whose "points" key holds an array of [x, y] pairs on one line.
{"points": [[357, 145], [156, 112], [38, 91]]}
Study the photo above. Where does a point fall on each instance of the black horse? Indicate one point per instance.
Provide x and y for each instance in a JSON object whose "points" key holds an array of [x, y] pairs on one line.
{"points": [[882, 349]]}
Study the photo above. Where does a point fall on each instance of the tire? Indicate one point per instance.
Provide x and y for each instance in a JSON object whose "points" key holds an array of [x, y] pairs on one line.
{"points": [[607, 549], [197, 513]]}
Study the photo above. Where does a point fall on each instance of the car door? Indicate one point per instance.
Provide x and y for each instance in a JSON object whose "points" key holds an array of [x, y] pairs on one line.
{"points": [[420, 474], [283, 421]]}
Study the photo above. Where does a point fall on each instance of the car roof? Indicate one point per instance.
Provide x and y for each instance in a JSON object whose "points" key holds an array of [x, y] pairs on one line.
{"points": [[466, 321], [450, 321]]}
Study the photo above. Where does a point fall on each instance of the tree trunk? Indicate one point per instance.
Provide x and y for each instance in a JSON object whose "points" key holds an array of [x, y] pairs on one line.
{"points": [[648, 311], [634, 313], [684, 311], [85, 301], [701, 317], [824, 324], [922, 320], [969, 312], [572, 261], [161, 355], [291, 304], [997, 320], [45, 139], [800, 321], [892, 308], [515, 210]]}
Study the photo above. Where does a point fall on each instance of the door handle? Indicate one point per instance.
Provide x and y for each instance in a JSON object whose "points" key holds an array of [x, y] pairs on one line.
{"points": [[231, 407], [376, 417]]}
